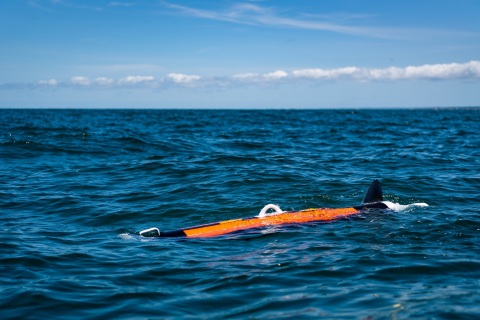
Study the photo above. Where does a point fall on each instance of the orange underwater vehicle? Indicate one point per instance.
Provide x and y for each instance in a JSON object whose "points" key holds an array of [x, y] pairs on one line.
{"points": [[373, 200]]}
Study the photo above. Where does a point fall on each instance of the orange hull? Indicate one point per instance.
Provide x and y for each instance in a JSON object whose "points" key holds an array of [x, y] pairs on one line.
{"points": [[303, 216], [229, 226]]}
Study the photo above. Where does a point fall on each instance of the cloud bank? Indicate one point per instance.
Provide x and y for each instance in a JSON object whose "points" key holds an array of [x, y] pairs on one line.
{"points": [[428, 72], [469, 70]]}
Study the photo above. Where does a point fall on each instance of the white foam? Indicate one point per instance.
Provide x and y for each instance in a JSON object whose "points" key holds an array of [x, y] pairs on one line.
{"points": [[125, 236], [400, 207]]}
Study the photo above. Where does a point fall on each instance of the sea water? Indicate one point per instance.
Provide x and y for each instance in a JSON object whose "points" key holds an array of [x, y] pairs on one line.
{"points": [[77, 186]]}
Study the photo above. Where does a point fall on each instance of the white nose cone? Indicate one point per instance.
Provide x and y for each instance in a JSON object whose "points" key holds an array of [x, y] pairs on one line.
{"points": [[152, 232]]}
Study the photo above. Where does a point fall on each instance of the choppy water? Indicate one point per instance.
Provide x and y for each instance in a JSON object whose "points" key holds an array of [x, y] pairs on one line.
{"points": [[78, 185]]}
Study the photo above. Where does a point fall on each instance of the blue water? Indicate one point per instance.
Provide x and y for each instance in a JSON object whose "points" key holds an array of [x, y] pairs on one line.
{"points": [[77, 186]]}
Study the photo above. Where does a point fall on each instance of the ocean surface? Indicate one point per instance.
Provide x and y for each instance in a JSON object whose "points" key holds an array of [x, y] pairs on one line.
{"points": [[77, 186]]}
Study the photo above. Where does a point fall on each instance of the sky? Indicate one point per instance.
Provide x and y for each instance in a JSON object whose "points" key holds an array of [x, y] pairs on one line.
{"points": [[239, 54]]}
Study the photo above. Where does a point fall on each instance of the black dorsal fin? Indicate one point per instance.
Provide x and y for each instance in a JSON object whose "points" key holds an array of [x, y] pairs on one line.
{"points": [[374, 193]]}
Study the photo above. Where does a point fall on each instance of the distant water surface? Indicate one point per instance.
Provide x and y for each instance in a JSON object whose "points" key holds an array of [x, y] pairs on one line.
{"points": [[78, 185]]}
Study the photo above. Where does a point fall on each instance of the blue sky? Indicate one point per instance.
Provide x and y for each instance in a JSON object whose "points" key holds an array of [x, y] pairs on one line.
{"points": [[239, 54]]}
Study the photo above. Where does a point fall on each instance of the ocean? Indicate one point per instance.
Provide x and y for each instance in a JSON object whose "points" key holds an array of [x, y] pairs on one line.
{"points": [[77, 187]]}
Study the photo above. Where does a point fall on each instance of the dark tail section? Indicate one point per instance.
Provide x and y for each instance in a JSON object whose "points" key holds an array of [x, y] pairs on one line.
{"points": [[373, 198], [374, 193]]}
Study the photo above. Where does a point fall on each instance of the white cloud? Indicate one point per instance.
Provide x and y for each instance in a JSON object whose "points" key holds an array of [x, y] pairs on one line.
{"points": [[50, 82], [246, 76], [81, 81], [257, 77], [109, 82], [276, 75], [469, 70], [182, 78], [444, 71], [134, 80], [346, 72], [103, 81], [427, 72]]}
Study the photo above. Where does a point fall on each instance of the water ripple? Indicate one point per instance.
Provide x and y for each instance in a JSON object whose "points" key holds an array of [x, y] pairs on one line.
{"points": [[78, 185]]}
